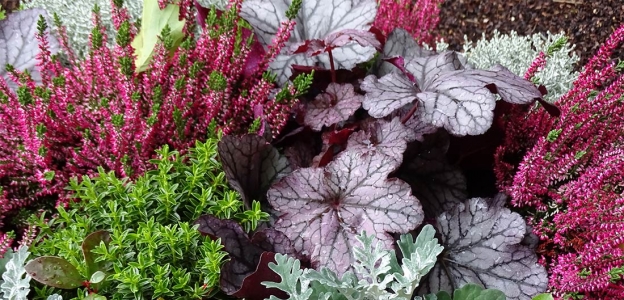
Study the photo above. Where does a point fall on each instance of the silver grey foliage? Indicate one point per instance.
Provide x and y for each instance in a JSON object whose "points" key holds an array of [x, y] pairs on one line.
{"points": [[518, 52], [377, 272]]}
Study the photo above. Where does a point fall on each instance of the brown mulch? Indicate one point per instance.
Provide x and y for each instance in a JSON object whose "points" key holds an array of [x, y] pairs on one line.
{"points": [[588, 23]]}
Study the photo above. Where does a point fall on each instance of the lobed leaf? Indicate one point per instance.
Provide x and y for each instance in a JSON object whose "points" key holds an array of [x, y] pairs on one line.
{"points": [[336, 104], [323, 209], [388, 138], [317, 19], [482, 242]]}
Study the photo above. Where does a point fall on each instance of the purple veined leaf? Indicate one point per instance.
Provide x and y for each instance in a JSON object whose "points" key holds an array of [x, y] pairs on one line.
{"points": [[438, 185], [462, 109], [387, 94], [511, 87], [316, 20], [426, 69], [400, 43], [251, 165], [337, 39], [323, 209], [389, 138], [55, 272], [414, 123], [481, 242], [244, 253], [19, 46], [363, 38], [336, 104]]}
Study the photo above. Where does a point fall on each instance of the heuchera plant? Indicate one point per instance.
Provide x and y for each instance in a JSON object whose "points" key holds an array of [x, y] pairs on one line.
{"points": [[99, 112], [339, 169], [566, 173]]}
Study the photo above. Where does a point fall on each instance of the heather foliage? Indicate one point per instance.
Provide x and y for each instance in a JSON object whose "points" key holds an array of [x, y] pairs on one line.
{"points": [[99, 112], [145, 241], [419, 18], [566, 173]]}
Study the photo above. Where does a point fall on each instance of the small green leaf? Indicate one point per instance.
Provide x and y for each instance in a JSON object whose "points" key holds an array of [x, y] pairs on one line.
{"points": [[443, 295], [55, 272], [97, 277], [544, 296], [94, 297]]}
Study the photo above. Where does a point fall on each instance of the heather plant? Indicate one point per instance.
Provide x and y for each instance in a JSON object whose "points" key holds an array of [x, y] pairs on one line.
{"points": [[419, 18], [99, 112], [566, 174], [135, 238]]}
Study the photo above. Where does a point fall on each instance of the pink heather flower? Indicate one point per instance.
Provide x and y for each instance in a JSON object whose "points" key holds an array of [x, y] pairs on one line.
{"points": [[99, 112], [6, 239], [418, 17], [569, 178]]}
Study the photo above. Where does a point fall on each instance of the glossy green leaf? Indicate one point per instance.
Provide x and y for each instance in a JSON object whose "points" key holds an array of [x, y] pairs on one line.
{"points": [[94, 297], [91, 242], [153, 20], [54, 271], [97, 277]]}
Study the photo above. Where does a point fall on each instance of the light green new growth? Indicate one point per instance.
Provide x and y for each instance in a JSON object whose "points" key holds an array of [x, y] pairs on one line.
{"points": [[518, 52], [379, 274], [78, 17]]}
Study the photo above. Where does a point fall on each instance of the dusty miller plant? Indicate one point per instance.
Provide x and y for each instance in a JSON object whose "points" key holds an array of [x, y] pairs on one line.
{"points": [[380, 276], [518, 52]]}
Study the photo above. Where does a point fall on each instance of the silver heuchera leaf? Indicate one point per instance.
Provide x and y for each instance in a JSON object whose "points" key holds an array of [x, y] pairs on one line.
{"points": [[336, 104], [419, 127], [462, 109], [387, 138], [324, 209], [426, 69], [387, 94], [481, 240], [19, 46], [316, 20], [400, 43]]}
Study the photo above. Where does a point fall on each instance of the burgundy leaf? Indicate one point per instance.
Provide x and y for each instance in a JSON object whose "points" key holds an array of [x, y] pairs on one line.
{"points": [[244, 253], [387, 94], [482, 244], [252, 288], [336, 104], [251, 165], [389, 138], [323, 209]]}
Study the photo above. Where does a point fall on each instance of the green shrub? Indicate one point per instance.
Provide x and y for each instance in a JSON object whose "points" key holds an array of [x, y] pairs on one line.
{"points": [[153, 249]]}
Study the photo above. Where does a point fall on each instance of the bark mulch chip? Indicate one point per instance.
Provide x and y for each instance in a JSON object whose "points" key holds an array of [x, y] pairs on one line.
{"points": [[588, 23]]}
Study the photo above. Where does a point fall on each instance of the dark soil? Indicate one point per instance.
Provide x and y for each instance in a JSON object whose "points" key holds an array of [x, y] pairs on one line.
{"points": [[588, 23]]}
